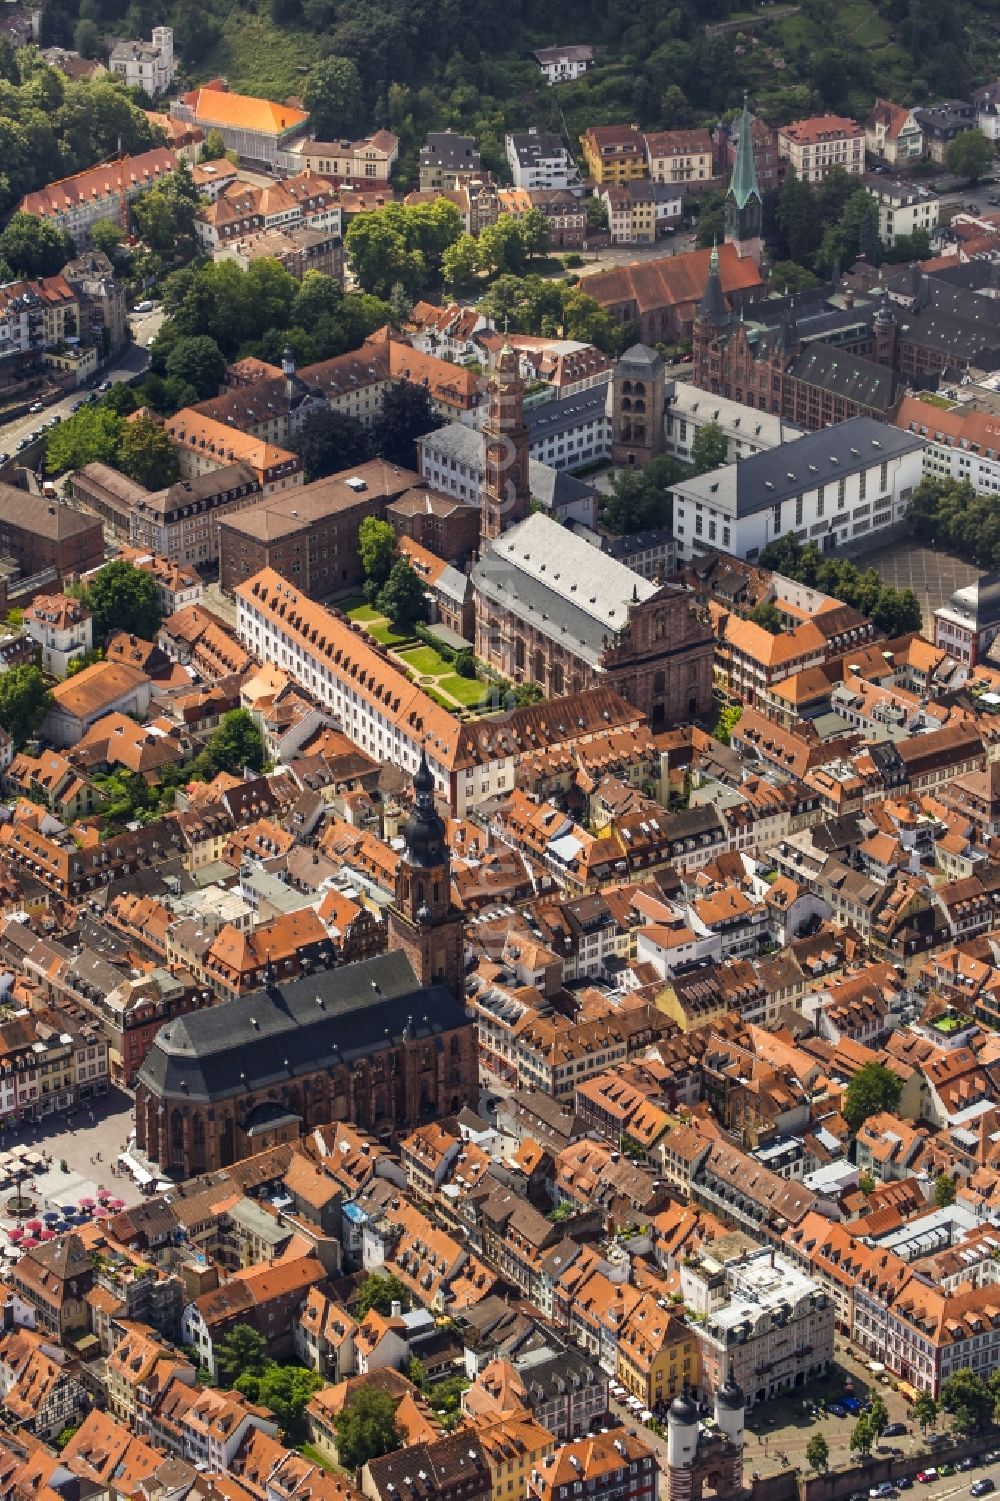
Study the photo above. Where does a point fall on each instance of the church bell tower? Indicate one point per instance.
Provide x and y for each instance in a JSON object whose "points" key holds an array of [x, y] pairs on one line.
{"points": [[744, 205], [506, 497], [422, 921]]}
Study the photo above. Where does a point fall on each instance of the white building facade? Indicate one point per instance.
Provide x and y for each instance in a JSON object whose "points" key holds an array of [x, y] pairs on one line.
{"points": [[149, 66]]}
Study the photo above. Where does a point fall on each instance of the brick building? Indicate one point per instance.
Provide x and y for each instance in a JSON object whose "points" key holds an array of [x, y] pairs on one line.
{"points": [[40, 533], [662, 295], [310, 535]]}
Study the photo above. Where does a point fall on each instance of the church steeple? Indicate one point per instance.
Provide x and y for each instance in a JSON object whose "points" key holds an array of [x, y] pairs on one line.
{"points": [[422, 921], [506, 497], [712, 307], [744, 205]]}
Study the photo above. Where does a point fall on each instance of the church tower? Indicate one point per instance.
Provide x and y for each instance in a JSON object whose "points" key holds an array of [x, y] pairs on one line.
{"points": [[422, 921], [711, 318], [885, 333], [506, 497], [744, 206]]}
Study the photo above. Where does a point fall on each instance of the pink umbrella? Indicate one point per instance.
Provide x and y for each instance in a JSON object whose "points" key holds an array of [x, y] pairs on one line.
{"points": [[103, 1193], [117, 1204], [28, 1242], [16, 1234], [47, 1235], [87, 1203], [34, 1226], [101, 1213]]}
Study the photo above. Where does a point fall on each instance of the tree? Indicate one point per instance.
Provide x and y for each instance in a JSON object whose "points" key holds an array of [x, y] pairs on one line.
{"points": [[34, 247], [214, 149], [501, 247], [711, 222], [768, 617], [377, 551], [380, 1291], [239, 1351], [640, 498], [87, 38], [403, 597], [465, 663], [198, 360], [925, 1410], [24, 700], [709, 448], [334, 98], [873, 1088], [535, 232], [400, 305], [788, 278], [863, 1435], [406, 415], [123, 598], [878, 1415], [286, 1390], [366, 1427], [969, 155], [236, 744], [969, 1400], [91, 435], [106, 235], [460, 264], [329, 441], [415, 1371], [944, 1190], [818, 1453], [146, 454], [729, 718], [867, 1184]]}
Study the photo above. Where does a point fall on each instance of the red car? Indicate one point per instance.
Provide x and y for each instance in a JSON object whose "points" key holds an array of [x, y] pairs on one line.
{"points": [[926, 1476]]}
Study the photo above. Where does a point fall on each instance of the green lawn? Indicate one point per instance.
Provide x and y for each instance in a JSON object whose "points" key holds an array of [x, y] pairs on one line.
{"points": [[425, 659], [309, 1451], [466, 691], [363, 614], [258, 57], [385, 635]]}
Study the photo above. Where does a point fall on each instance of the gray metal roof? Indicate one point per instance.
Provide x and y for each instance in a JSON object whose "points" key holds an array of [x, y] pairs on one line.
{"points": [[765, 479], [301, 1028]]}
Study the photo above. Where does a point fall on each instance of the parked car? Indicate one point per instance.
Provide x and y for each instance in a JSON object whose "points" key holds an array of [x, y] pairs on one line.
{"points": [[894, 1430], [36, 406], [145, 306], [946, 1470], [927, 1477], [105, 385], [982, 1487], [4, 458], [837, 1410], [76, 405], [904, 1483], [852, 1405], [968, 1463], [884, 1488]]}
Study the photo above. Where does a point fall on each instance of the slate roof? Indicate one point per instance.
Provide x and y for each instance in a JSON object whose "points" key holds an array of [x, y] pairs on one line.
{"points": [[300, 1028], [764, 479], [553, 487], [845, 374]]}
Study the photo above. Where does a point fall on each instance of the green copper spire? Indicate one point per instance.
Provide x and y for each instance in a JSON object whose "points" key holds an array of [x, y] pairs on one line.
{"points": [[743, 185]]}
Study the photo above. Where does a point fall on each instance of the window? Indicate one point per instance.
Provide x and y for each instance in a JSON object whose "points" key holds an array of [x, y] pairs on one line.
{"points": [[798, 510], [776, 514], [841, 494], [862, 484], [820, 500]]}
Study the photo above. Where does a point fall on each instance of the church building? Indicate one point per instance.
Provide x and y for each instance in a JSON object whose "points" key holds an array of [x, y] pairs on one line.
{"points": [[552, 609], [386, 1042]]}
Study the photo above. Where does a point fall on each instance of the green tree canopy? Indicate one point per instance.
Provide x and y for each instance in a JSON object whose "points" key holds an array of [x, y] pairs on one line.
{"points": [[406, 414], [123, 598], [34, 247], [863, 1435], [377, 551], [767, 615], [91, 435], [146, 454], [872, 1089], [237, 743], [197, 360], [641, 498], [403, 597], [944, 1190], [709, 448], [729, 717], [285, 1390], [969, 155], [379, 1291], [106, 235], [460, 264], [924, 1410], [214, 149], [818, 1453], [334, 98], [24, 700], [366, 1427], [969, 1399], [241, 1350], [330, 441]]}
